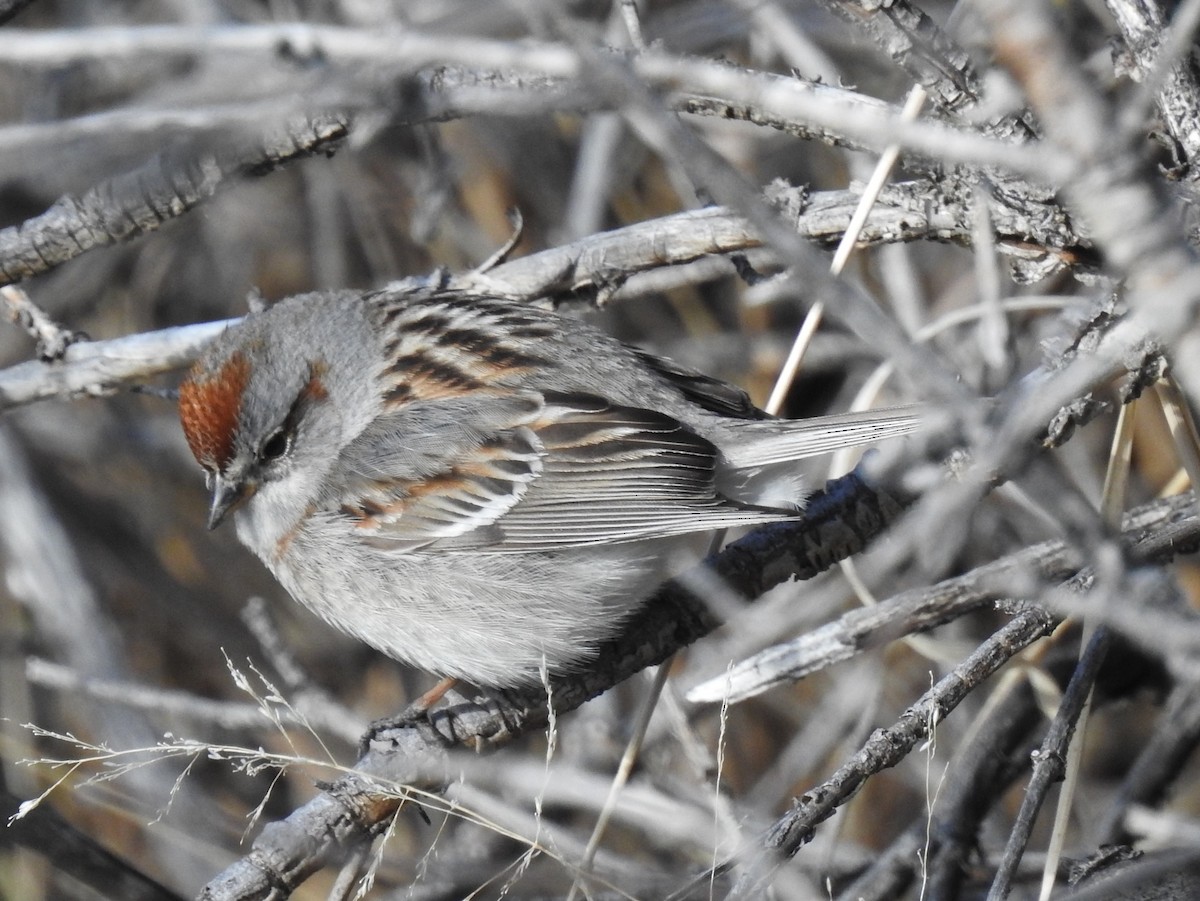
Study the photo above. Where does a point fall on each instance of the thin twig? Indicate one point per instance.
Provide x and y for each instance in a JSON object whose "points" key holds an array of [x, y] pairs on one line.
{"points": [[887, 747], [1049, 761], [52, 339]]}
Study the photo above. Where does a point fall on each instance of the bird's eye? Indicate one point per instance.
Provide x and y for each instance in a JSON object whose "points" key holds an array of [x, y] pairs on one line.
{"points": [[275, 446]]}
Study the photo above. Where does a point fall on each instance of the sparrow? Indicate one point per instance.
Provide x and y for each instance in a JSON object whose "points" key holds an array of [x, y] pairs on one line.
{"points": [[477, 487]]}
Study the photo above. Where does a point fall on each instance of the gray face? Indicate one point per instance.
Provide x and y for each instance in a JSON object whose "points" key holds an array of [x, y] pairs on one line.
{"points": [[269, 395]]}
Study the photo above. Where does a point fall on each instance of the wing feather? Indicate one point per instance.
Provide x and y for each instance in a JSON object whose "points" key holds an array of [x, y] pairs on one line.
{"points": [[471, 493], [577, 471]]}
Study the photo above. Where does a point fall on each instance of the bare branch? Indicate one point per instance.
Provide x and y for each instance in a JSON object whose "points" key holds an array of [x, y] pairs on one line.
{"points": [[141, 201], [887, 747], [1143, 26], [785, 99], [94, 368], [52, 339]]}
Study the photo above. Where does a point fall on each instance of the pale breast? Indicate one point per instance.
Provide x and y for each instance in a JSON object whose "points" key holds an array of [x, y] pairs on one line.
{"points": [[489, 619]]}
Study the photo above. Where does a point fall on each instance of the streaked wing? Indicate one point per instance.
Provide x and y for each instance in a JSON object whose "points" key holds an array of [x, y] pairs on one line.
{"points": [[461, 500], [579, 472], [620, 474]]}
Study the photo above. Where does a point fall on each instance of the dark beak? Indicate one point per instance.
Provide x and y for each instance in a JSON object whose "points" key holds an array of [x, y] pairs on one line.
{"points": [[226, 497]]}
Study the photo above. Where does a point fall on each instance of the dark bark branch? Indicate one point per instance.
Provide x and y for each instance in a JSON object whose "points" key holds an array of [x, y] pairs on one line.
{"points": [[1049, 761], [887, 747], [978, 775]]}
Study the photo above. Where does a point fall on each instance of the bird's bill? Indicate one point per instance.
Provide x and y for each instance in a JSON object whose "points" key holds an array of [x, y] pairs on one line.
{"points": [[227, 496]]}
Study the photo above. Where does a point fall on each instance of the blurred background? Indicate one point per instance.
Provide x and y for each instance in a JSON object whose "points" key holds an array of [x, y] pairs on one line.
{"points": [[121, 617]]}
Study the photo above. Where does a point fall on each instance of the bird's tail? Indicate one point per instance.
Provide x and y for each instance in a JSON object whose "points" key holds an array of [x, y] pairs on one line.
{"points": [[775, 441]]}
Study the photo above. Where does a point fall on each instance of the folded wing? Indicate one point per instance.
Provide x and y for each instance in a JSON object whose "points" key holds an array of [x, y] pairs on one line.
{"points": [[575, 471]]}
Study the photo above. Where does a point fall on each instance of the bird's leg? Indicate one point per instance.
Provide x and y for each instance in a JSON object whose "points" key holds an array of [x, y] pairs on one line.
{"points": [[412, 715], [421, 705]]}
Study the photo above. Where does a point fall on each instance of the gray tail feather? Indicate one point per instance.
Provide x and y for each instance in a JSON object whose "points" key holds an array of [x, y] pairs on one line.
{"points": [[780, 440]]}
